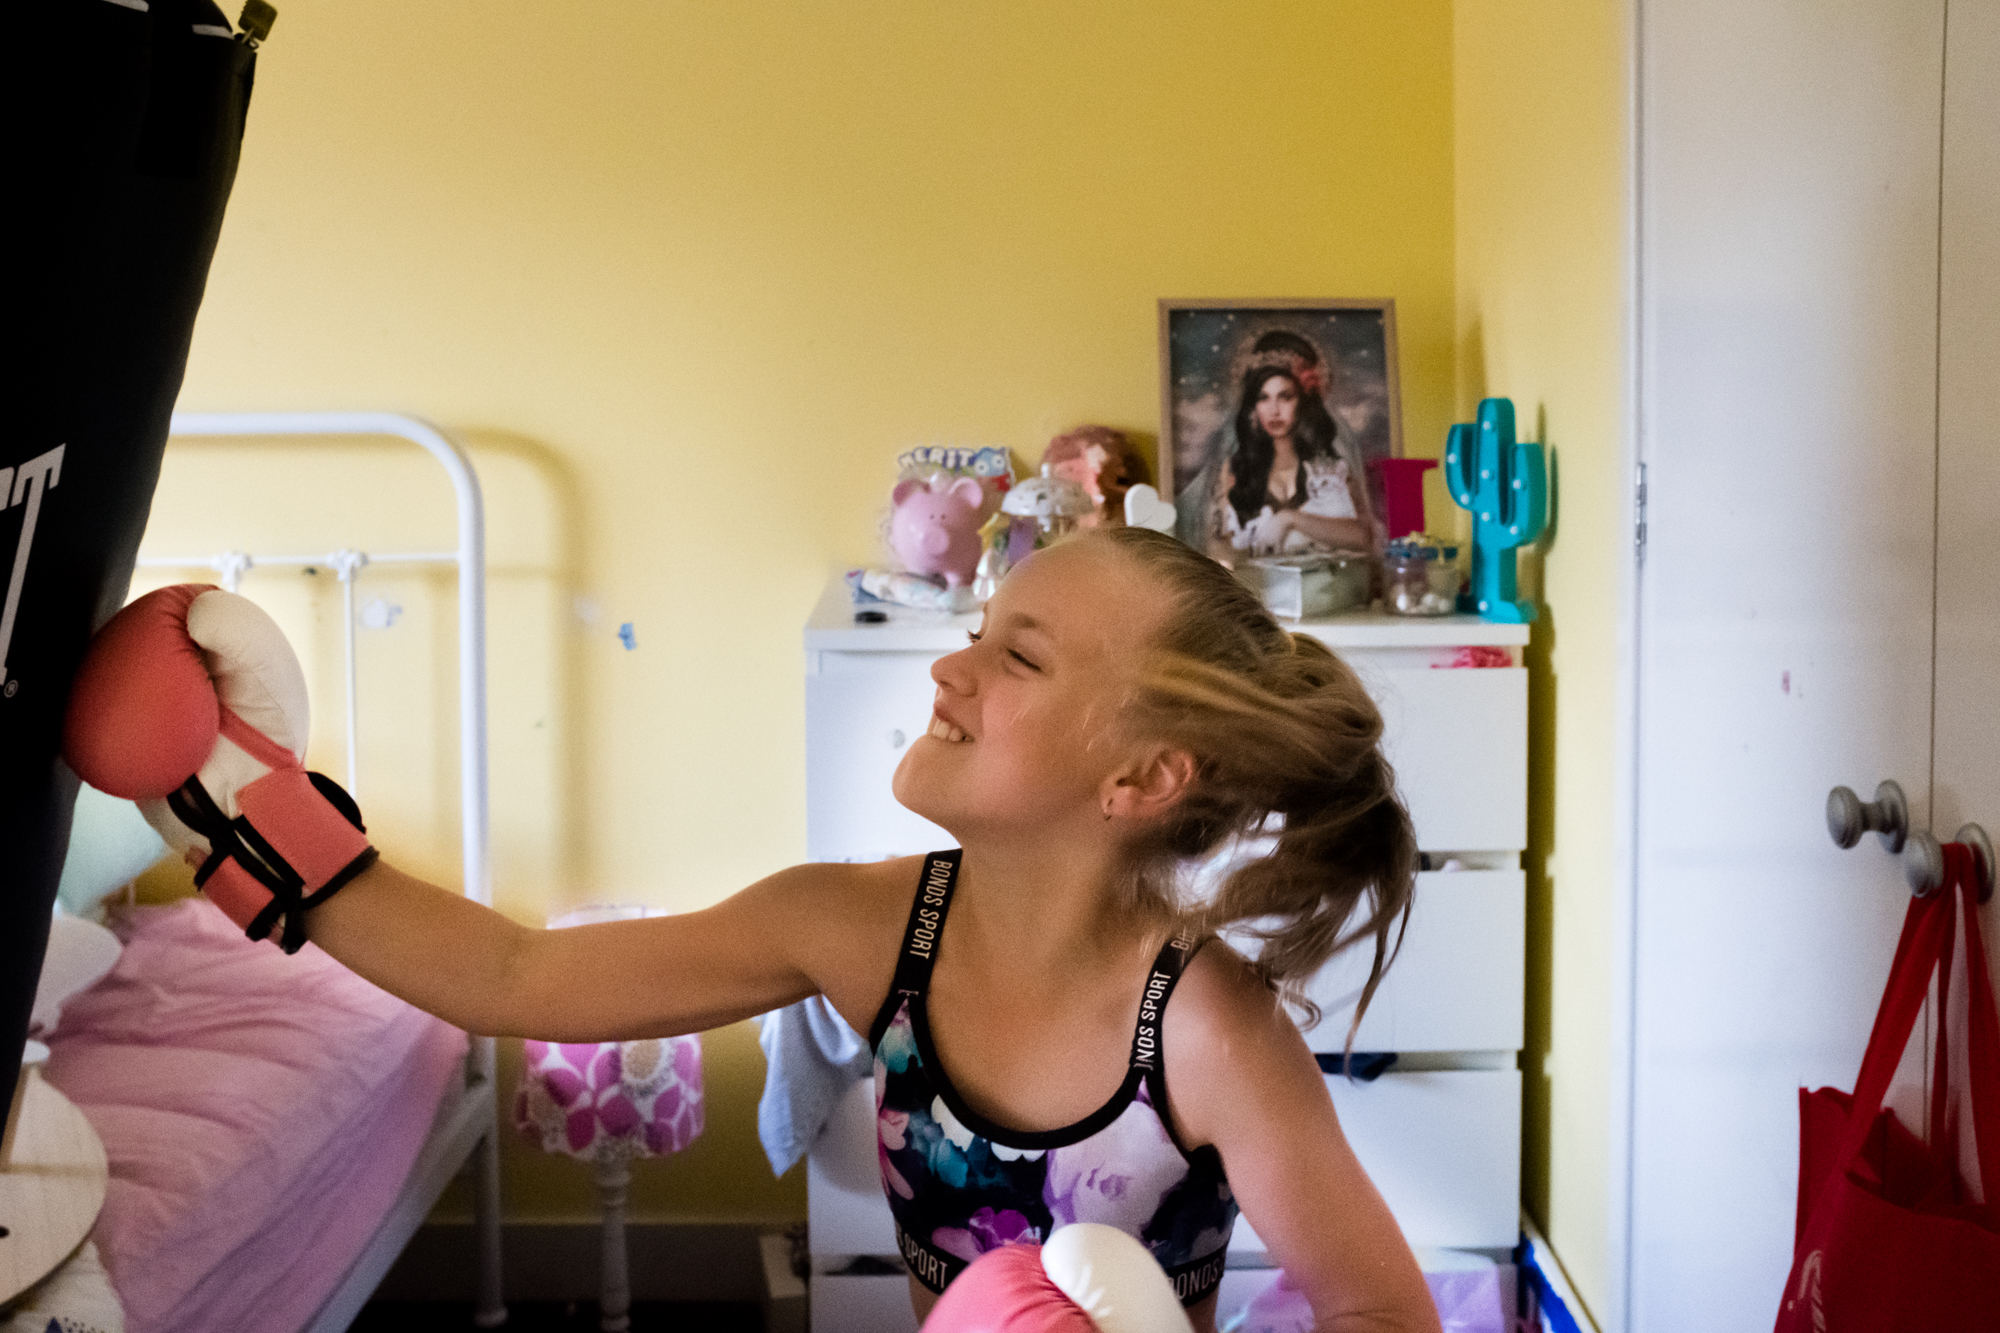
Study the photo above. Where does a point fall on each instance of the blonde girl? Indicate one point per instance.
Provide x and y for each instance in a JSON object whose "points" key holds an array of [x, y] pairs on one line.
{"points": [[1059, 1036]]}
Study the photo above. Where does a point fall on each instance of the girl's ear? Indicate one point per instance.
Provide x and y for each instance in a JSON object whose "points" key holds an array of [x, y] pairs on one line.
{"points": [[1150, 787]]}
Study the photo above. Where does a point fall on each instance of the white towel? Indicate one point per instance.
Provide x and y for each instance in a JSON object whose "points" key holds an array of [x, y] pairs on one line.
{"points": [[811, 1057]]}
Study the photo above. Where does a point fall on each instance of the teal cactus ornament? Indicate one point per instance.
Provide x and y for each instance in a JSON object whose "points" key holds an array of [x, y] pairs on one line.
{"points": [[1505, 485]]}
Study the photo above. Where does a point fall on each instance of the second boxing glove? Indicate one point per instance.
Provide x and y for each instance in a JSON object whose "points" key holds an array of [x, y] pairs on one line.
{"points": [[191, 703], [1006, 1291], [1113, 1279]]}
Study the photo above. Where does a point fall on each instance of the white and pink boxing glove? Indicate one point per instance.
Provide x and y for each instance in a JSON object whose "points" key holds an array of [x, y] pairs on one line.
{"points": [[1088, 1278], [191, 703]]}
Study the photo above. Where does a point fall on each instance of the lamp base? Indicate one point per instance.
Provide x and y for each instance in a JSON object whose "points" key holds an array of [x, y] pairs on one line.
{"points": [[614, 1302]]}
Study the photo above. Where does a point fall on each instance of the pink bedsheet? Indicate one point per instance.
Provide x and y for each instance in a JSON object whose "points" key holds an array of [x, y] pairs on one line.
{"points": [[260, 1113]]}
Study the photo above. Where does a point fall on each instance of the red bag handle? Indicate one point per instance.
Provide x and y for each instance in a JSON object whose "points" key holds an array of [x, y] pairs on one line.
{"points": [[1982, 1030], [1924, 949]]}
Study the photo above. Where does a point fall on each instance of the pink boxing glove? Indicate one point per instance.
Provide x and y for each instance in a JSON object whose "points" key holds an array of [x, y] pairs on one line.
{"points": [[191, 703], [1007, 1291], [1088, 1278]]}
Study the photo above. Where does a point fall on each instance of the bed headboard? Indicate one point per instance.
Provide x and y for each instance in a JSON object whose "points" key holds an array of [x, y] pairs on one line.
{"points": [[469, 558]]}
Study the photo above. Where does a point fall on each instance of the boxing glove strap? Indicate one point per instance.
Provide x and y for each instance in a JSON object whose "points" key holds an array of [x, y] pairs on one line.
{"points": [[255, 743], [255, 882]]}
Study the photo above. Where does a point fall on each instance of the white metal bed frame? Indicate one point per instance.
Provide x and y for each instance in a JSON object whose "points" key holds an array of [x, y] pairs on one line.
{"points": [[466, 1131]]}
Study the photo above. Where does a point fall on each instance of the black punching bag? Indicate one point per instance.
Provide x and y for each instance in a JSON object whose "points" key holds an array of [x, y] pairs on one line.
{"points": [[128, 116]]}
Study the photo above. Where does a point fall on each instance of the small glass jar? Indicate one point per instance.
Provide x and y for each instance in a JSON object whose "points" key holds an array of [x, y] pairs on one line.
{"points": [[1420, 577], [1055, 505]]}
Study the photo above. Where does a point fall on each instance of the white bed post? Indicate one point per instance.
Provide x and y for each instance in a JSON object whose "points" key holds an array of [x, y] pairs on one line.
{"points": [[489, 1305], [489, 1309]]}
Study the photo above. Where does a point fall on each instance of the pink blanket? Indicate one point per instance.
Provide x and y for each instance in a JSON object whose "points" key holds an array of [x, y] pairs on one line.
{"points": [[260, 1113]]}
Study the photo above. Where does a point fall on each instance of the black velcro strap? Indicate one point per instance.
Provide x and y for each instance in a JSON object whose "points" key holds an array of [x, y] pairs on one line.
{"points": [[238, 840], [265, 921], [193, 806], [337, 797]]}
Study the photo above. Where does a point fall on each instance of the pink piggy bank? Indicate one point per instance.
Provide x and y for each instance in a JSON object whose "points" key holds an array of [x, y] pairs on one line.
{"points": [[936, 531]]}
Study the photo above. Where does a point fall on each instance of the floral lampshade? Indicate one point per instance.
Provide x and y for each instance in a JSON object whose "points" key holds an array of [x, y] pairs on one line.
{"points": [[610, 1100]]}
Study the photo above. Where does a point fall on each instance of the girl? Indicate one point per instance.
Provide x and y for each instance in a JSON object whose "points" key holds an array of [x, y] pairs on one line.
{"points": [[1058, 1035]]}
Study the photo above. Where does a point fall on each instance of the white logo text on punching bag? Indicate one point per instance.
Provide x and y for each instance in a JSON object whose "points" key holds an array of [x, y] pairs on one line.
{"points": [[1146, 1040], [930, 910], [23, 486]]}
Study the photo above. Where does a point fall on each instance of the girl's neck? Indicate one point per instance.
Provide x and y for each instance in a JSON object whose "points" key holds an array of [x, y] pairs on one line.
{"points": [[1050, 907]]}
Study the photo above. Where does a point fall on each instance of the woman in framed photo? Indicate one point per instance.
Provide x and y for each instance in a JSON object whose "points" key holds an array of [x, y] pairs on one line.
{"points": [[1289, 487]]}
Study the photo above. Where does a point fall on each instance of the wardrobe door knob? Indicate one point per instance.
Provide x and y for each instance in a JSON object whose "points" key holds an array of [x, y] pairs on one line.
{"points": [[1888, 815], [1923, 864]]}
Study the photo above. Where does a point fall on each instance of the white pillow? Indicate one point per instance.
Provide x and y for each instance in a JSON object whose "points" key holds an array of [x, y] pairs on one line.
{"points": [[80, 953], [110, 843]]}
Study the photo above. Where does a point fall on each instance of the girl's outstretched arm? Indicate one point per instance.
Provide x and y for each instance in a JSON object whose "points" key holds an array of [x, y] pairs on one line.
{"points": [[1239, 1076], [196, 678], [786, 937]]}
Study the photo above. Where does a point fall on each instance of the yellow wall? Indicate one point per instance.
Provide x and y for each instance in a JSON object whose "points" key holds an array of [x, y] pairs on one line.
{"points": [[687, 275], [1539, 117]]}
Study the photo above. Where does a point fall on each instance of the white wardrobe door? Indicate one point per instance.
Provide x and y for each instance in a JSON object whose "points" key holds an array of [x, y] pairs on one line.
{"points": [[1968, 606], [1788, 279]]}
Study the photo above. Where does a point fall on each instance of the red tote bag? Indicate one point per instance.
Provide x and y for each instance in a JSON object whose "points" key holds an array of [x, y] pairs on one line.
{"points": [[1895, 1235]]}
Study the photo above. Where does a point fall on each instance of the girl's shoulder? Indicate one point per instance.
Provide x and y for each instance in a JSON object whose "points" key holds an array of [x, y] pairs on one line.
{"points": [[1224, 1025], [865, 879], [1222, 999], [847, 919]]}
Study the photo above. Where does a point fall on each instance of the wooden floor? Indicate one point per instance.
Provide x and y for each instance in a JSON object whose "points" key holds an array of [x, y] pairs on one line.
{"points": [[559, 1317]]}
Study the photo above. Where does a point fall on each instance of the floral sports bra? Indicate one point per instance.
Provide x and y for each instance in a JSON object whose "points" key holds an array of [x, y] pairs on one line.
{"points": [[960, 1185]]}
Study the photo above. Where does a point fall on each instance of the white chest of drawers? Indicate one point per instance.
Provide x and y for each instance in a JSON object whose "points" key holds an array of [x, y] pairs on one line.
{"points": [[1440, 1132]]}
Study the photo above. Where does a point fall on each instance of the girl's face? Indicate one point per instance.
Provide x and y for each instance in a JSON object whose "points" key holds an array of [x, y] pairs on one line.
{"points": [[1278, 406], [1023, 734]]}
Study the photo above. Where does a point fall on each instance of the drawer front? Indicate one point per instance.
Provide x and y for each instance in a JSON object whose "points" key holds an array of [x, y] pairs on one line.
{"points": [[867, 1303], [862, 712], [1459, 741], [1457, 985], [846, 1213], [1481, 1291], [1443, 1148], [1240, 1286]]}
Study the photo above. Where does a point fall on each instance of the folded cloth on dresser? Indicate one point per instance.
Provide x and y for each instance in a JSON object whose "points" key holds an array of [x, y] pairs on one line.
{"points": [[259, 1112], [811, 1057]]}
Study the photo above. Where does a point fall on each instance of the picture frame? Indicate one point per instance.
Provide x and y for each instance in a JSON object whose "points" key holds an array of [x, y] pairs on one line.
{"points": [[1339, 356]]}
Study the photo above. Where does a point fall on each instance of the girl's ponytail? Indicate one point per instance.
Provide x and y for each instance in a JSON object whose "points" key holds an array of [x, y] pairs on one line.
{"points": [[1287, 746]]}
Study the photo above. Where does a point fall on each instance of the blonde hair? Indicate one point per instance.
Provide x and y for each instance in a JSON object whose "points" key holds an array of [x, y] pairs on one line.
{"points": [[1286, 743]]}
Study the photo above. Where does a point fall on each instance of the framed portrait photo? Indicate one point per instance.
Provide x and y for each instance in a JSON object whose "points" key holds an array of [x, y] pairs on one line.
{"points": [[1270, 414]]}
